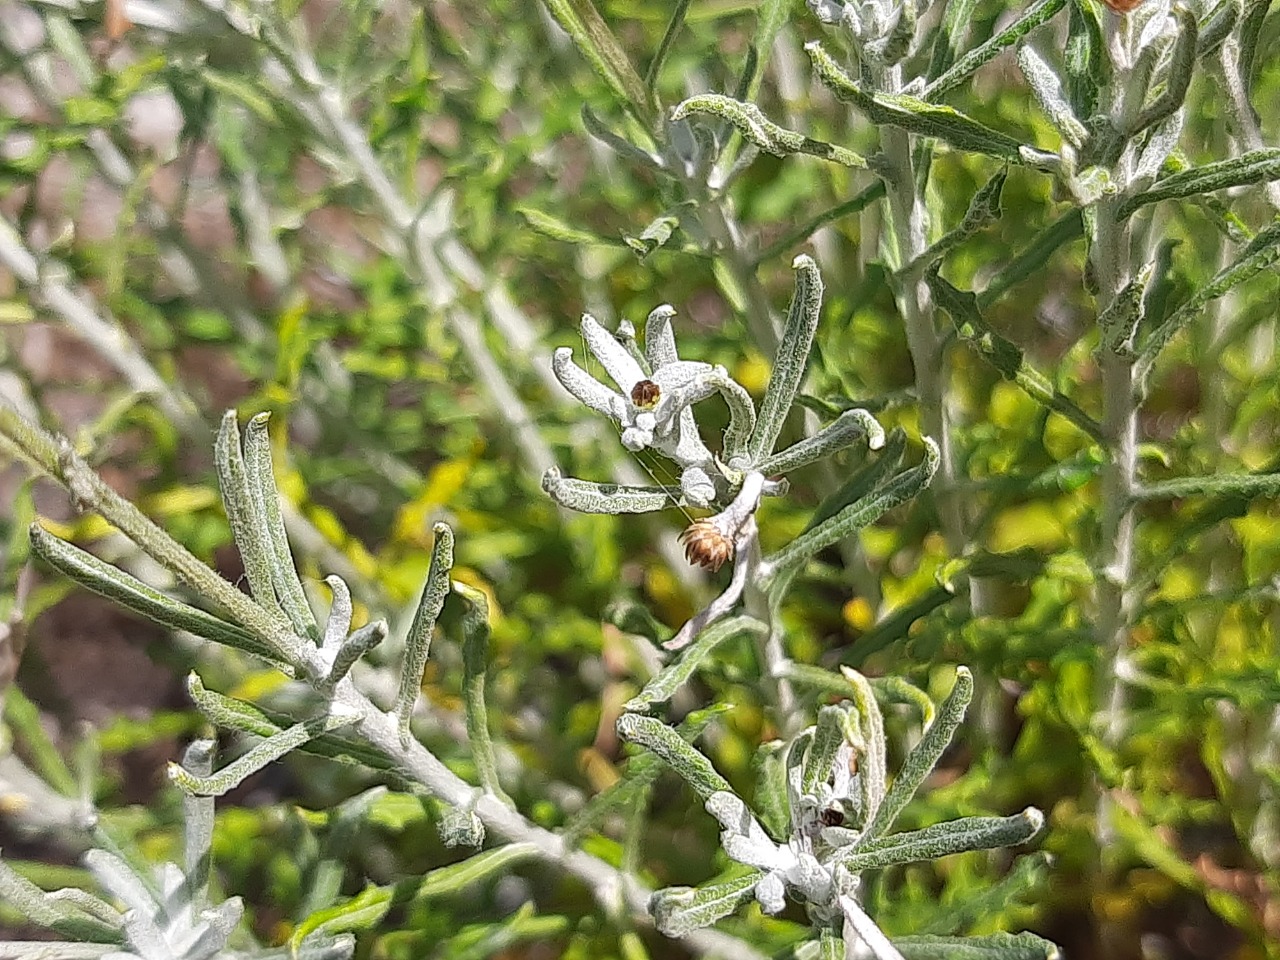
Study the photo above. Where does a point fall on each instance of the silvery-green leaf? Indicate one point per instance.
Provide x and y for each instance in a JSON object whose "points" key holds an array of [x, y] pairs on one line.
{"points": [[751, 122], [64, 918], [456, 877], [944, 839], [271, 749], [848, 428], [1036, 14], [659, 338], [857, 515], [248, 529], [133, 594], [198, 813], [475, 663], [338, 624], [417, 644], [260, 476], [678, 911], [1254, 167], [996, 946], [1047, 87], [912, 114], [692, 766], [613, 498], [1177, 73], [664, 685], [792, 356], [655, 235], [925, 755], [613, 356], [1262, 253], [583, 387]]}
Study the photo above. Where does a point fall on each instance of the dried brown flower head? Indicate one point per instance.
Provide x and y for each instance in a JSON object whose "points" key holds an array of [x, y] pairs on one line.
{"points": [[705, 545], [646, 394]]}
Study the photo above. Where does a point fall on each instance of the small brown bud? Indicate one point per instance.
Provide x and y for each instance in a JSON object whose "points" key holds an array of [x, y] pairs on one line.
{"points": [[831, 817], [705, 545], [646, 394]]}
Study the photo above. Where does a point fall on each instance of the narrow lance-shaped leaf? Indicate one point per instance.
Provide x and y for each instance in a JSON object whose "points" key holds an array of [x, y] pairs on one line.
{"points": [[1047, 87], [829, 735], [655, 234], [586, 496], [897, 625], [1087, 65], [949, 39], [771, 16], [234, 714], [197, 817], [862, 481], [663, 686], [361, 912], [1182, 62], [619, 145], [270, 522], [1118, 324], [1036, 15], [984, 209], [751, 122], [742, 413], [40, 908], [1256, 166], [679, 911], [640, 773], [664, 47], [1028, 261], [596, 42], [793, 355], [339, 622], [995, 946], [671, 748], [269, 750], [848, 428], [417, 643], [475, 665], [1262, 253], [925, 755], [116, 585], [456, 877], [247, 528], [1217, 25], [913, 114], [555, 228], [352, 649], [872, 762], [857, 515], [1219, 486], [1003, 354], [944, 839], [859, 202]]}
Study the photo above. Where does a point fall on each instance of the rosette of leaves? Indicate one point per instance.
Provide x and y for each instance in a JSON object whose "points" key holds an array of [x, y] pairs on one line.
{"points": [[831, 808], [165, 914]]}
